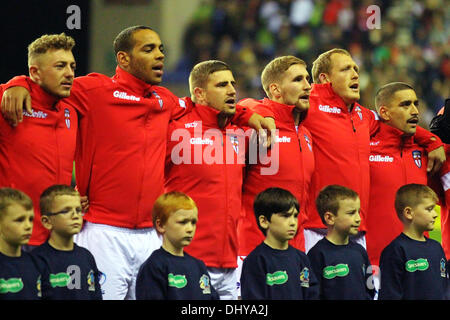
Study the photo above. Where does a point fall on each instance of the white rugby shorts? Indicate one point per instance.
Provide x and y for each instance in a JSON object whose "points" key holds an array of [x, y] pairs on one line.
{"points": [[119, 253]]}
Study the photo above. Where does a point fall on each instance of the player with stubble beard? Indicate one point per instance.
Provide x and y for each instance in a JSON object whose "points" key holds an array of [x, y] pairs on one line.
{"points": [[123, 125], [341, 129]]}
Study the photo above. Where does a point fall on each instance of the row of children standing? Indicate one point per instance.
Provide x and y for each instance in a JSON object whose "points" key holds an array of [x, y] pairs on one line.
{"points": [[411, 267]]}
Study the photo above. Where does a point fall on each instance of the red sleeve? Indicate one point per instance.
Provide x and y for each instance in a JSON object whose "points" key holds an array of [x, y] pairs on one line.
{"points": [[18, 81], [256, 106], [424, 137], [374, 123], [245, 109], [241, 116], [78, 94], [83, 91], [181, 107]]}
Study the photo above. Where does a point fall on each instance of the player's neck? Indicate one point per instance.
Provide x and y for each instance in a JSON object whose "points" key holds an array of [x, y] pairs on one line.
{"points": [[176, 251], [337, 238], [61, 243], [414, 234], [275, 244], [297, 116], [10, 250]]}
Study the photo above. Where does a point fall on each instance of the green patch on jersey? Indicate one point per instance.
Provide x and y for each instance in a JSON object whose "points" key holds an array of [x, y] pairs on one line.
{"points": [[61, 280], [420, 264], [12, 285], [177, 281], [278, 277], [339, 270]]}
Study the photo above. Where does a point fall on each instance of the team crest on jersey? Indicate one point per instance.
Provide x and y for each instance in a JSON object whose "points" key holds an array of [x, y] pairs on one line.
{"points": [[205, 284], [235, 143], [159, 99], [304, 278], [443, 268], [38, 287], [182, 103], [417, 156], [308, 142], [359, 112], [91, 281], [67, 117]]}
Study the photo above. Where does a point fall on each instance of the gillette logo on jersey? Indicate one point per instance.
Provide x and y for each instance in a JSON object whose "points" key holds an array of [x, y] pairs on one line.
{"points": [[329, 109], [380, 158], [125, 96], [282, 139], [214, 145], [36, 114]]}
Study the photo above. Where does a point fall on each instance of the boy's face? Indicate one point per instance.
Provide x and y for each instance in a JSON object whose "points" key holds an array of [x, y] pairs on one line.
{"points": [[424, 215], [347, 219], [282, 226], [65, 219], [179, 229], [16, 225]]}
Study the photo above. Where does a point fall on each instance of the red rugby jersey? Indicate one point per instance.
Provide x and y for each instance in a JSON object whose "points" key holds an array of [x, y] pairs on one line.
{"points": [[294, 164], [39, 152], [394, 160], [206, 163]]}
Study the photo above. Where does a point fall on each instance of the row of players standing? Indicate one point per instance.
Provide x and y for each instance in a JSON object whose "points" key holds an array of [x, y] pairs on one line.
{"points": [[124, 125]]}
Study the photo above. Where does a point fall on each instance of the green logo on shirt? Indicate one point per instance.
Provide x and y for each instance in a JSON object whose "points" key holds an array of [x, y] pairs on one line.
{"points": [[177, 281], [12, 285], [61, 279], [278, 277], [339, 270], [420, 264]]}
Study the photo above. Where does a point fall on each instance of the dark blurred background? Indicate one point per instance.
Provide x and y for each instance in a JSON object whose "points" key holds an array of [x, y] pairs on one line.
{"points": [[22, 21], [411, 45]]}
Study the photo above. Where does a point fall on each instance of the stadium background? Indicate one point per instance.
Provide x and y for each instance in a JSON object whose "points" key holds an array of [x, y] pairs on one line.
{"points": [[411, 45]]}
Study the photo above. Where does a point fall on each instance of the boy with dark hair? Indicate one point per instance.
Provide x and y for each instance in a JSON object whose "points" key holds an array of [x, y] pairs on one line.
{"points": [[340, 264], [412, 266], [19, 276], [128, 111], [275, 270], [170, 273], [69, 271]]}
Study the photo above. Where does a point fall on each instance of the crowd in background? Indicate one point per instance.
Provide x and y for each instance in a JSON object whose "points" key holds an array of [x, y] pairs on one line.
{"points": [[412, 44]]}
